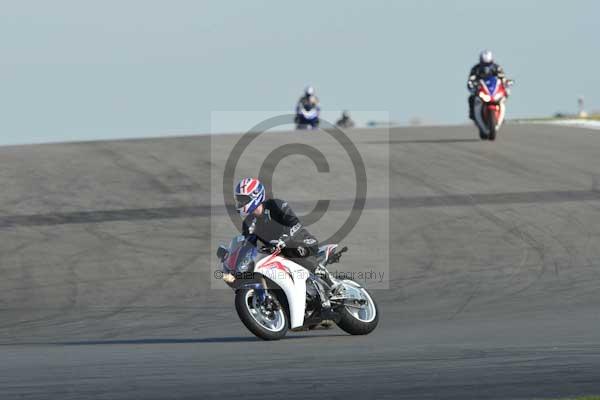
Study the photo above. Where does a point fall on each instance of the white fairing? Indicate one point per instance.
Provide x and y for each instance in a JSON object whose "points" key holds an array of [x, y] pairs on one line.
{"points": [[291, 278], [478, 111], [310, 114]]}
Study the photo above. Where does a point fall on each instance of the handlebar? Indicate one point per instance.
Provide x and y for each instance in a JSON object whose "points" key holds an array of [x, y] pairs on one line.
{"points": [[335, 257]]}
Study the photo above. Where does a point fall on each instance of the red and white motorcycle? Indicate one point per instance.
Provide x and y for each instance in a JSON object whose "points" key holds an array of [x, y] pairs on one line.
{"points": [[274, 294], [489, 107]]}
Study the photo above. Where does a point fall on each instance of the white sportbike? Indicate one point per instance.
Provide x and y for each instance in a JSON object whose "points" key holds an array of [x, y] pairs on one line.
{"points": [[274, 294]]}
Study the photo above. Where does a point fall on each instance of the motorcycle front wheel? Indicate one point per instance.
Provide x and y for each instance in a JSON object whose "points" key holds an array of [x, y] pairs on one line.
{"points": [[492, 124], [266, 321], [482, 134]]}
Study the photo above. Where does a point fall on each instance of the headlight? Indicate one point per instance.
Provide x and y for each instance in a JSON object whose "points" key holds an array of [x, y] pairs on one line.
{"points": [[498, 96], [246, 264], [485, 97], [243, 267]]}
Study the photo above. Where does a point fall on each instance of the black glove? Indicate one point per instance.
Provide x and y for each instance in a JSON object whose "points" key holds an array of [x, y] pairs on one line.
{"points": [[280, 243]]}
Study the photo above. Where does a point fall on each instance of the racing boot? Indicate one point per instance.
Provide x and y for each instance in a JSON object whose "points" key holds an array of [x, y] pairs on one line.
{"points": [[324, 294], [332, 283], [471, 112]]}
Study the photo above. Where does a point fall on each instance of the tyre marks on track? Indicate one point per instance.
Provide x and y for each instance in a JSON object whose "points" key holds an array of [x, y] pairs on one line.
{"points": [[445, 199]]}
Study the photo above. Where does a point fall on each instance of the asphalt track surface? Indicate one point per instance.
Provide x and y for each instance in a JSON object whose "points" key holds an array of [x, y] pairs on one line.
{"points": [[493, 285]]}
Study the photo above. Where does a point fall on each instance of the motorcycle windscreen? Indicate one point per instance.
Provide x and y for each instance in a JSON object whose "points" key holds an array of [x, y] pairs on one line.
{"points": [[242, 253], [492, 84]]}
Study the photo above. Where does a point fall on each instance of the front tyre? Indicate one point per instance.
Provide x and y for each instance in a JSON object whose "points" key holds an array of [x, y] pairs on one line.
{"points": [[492, 124], [360, 321], [267, 320], [482, 134]]}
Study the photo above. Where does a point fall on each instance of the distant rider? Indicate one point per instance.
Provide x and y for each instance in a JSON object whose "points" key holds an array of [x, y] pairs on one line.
{"points": [[308, 101], [345, 121], [485, 68]]}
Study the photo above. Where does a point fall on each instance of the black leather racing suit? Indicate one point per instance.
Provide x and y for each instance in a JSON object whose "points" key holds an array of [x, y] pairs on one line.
{"points": [[277, 220], [480, 71], [306, 102]]}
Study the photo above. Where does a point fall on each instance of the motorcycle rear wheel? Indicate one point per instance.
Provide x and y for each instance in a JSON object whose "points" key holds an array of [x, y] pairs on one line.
{"points": [[360, 322]]}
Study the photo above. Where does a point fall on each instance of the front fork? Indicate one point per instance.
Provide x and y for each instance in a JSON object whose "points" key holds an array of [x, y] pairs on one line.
{"points": [[489, 109], [261, 290], [494, 108], [266, 300]]}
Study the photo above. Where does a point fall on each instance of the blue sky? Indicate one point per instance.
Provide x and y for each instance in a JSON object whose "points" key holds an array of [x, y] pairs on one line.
{"points": [[81, 70]]}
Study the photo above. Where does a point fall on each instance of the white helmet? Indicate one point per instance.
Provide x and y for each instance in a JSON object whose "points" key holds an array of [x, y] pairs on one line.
{"points": [[309, 91], [486, 57]]}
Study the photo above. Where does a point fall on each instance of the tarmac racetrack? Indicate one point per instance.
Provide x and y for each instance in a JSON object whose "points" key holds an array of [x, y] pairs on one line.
{"points": [[494, 272]]}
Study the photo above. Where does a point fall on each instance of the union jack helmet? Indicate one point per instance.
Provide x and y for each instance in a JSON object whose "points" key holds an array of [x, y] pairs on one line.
{"points": [[249, 193]]}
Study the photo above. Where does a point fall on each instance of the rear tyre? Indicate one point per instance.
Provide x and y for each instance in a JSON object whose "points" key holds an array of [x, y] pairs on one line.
{"points": [[264, 323], [360, 322]]}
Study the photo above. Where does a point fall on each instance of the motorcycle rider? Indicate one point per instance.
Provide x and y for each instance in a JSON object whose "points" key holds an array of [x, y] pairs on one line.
{"points": [[307, 102], [485, 68], [272, 222], [345, 121]]}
